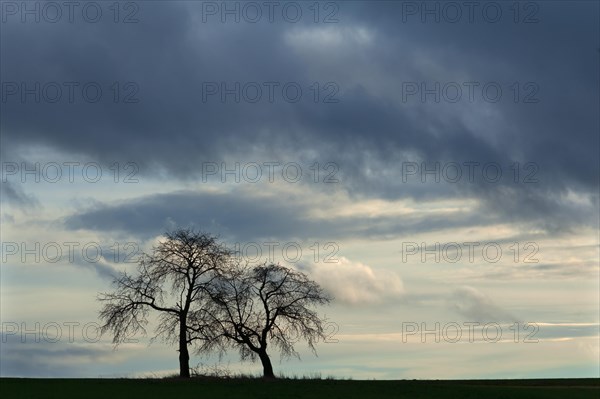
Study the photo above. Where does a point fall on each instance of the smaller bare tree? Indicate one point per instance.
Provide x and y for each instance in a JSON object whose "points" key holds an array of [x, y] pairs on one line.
{"points": [[253, 307], [173, 281]]}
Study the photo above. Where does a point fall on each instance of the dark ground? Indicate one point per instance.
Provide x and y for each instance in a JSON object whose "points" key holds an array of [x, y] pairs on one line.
{"points": [[302, 388]]}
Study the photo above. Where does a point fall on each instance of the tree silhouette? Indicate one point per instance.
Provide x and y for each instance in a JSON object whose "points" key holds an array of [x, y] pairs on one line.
{"points": [[173, 281], [253, 307]]}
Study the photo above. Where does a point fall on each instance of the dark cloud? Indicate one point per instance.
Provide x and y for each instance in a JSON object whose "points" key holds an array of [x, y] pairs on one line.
{"points": [[370, 53], [239, 216]]}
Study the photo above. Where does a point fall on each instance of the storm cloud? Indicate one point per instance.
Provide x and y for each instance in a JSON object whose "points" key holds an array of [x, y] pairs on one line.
{"points": [[372, 55]]}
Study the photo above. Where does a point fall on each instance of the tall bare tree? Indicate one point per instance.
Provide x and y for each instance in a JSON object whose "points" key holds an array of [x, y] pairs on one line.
{"points": [[173, 281], [254, 307]]}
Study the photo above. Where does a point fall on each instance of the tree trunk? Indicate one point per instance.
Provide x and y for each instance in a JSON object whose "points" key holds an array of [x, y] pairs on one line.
{"points": [[184, 355], [266, 363]]}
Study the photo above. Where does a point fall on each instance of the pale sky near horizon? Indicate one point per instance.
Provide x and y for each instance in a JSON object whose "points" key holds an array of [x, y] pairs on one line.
{"points": [[433, 165]]}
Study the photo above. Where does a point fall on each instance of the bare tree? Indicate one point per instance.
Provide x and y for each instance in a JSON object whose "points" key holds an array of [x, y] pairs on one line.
{"points": [[173, 281], [268, 304]]}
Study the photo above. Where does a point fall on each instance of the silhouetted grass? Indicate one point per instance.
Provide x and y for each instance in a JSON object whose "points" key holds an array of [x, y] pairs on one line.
{"points": [[250, 388]]}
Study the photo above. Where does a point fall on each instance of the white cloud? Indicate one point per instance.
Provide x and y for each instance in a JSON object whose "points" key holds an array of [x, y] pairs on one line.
{"points": [[356, 283]]}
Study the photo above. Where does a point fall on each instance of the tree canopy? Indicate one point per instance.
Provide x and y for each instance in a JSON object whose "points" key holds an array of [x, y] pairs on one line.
{"points": [[207, 299], [174, 281]]}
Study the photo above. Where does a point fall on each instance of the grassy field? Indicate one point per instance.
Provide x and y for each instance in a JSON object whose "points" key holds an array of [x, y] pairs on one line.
{"points": [[314, 389]]}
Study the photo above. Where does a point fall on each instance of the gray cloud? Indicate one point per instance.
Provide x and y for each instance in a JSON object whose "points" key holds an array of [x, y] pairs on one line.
{"points": [[476, 306], [16, 196], [237, 215], [172, 128], [47, 359]]}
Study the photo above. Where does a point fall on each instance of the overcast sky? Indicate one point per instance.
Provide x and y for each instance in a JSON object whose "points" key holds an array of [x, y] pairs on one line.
{"points": [[434, 165]]}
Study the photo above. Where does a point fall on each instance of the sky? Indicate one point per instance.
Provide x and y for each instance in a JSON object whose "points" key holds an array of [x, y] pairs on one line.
{"points": [[433, 165]]}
